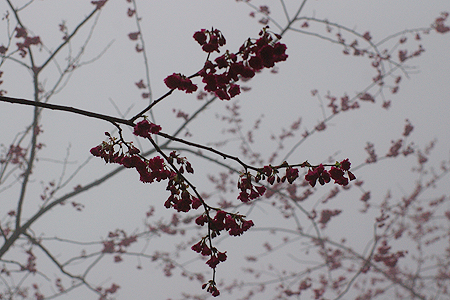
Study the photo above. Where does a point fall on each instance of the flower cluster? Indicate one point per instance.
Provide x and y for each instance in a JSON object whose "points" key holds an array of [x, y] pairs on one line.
{"points": [[271, 173], [326, 214], [180, 198], [389, 259], [216, 257], [180, 82], [211, 288], [234, 224], [291, 175], [154, 169], [148, 169], [336, 173], [117, 243], [106, 151], [248, 191], [252, 57], [144, 128], [210, 40], [28, 41]]}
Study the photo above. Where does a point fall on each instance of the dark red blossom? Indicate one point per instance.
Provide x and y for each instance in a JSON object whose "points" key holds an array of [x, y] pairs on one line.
{"points": [[200, 37], [202, 248], [336, 172], [183, 204], [318, 173], [291, 174], [345, 164], [216, 40], [222, 256], [197, 247], [221, 62], [180, 82], [403, 55], [144, 128], [266, 53], [96, 151], [108, 247], [201, 220], [408, 128], [211, 289], [221, 94], [256, 63], [248, 191], [196, 203], [234, 90], [213, 261], [395, 148], [21, 32], [338, 176]]}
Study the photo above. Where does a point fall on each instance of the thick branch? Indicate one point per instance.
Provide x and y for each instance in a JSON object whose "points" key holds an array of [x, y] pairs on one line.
{"points": [[68, 109]]}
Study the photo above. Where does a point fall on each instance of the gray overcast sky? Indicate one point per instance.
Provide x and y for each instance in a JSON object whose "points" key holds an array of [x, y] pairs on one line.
{"points": [[282, 98]]}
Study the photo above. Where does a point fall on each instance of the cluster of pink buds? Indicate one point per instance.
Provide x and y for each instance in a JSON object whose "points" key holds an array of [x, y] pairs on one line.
{"points": [[389, 259], [28, 41], [253, 56], [336, 173]]}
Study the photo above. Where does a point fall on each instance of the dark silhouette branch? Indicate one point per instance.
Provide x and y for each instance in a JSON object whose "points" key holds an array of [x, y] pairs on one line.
{"points": [[86, 113]]}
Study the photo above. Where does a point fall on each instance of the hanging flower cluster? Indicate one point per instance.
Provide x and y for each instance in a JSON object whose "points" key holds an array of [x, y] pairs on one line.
{"points": [[248, 191], [234, 224], [180, 198]]}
